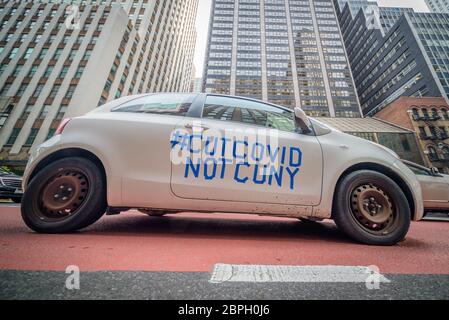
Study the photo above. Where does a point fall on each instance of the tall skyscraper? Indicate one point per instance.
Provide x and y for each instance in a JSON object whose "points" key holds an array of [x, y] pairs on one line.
{"points": [[407, 58], [288, 52], [438, 6], [375, 17], [59, 60], [355, 5]]}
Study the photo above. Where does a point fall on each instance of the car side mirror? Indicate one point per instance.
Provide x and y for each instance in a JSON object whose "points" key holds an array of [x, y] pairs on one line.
{"points": [[434, 171], [302, 120]]}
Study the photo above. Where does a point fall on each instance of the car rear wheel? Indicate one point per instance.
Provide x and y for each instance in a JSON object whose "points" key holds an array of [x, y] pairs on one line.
{"points": [[67, 195], [371, 208]]}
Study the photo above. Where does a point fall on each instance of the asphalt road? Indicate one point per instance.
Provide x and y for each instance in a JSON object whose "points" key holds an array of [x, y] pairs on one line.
{"points": [[135, 256]]}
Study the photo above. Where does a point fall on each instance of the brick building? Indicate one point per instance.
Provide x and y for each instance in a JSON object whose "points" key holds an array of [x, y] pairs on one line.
{"points": [[429, 119]]}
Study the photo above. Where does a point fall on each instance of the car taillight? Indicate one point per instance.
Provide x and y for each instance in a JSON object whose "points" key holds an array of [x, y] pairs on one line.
{"points": [[62, 126]]}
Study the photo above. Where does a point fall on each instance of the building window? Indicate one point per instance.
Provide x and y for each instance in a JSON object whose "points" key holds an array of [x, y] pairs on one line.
{"points": [[5, 89], [17, 70], [87, 55], [51, 133], [425, 112], [2, 68], [57, 54], [31, 137], [48, 71], [432, 152], [435, 113], [70, 92], [445, 151], [61, 112], [63, 72], [13, 53], [54, 91], [72, 54], [12, 138], [21, 90], [445, 114], [79, 72], [42, 53], [45, 109], [26, 112], [38, 91], [28, 53], [32, 71]]}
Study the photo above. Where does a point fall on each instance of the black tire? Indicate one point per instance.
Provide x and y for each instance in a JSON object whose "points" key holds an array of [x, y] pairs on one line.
{"points": [[16, 200], [87, 205], [351, 219]]}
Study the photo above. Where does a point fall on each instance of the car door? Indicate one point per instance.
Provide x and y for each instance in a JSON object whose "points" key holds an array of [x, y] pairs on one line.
{"points": [[147, 124], [243, 150]]}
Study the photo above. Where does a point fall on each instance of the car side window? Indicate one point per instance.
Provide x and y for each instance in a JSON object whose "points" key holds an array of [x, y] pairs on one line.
{"points": [[249, 112], [160, 103]]}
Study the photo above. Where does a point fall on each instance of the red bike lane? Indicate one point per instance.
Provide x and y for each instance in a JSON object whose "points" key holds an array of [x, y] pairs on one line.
{"points": [[193, 242]]}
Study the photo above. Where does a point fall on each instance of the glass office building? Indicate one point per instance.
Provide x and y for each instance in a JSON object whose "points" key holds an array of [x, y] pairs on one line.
{"points": [[288, 52], [389, 16], [409, 58], [438, 6], [381, 18]]}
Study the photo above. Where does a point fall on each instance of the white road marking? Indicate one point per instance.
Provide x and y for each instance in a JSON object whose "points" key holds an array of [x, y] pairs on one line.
{"points": [[275, 273]]}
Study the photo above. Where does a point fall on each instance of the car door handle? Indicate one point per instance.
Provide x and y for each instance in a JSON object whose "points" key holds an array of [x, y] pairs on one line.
{"points": [[191, 126]]}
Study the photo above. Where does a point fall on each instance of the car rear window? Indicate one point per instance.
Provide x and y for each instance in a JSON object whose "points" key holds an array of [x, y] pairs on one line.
{"points": [[159, 103]]}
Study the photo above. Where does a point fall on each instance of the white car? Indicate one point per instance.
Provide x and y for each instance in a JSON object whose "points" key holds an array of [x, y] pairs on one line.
{"points": [[434, 185], [166, 153]]}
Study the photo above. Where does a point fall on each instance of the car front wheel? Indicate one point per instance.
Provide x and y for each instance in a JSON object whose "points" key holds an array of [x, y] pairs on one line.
{"points": [[371, 208], [67, 195]]}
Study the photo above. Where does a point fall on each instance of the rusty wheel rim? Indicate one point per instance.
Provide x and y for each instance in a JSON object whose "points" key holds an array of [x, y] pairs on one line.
{"points": [[63, 194], [373, 209]]}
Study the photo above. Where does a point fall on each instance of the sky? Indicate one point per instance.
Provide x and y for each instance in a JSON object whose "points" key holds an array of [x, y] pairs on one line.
{"points": [[202, 25]]}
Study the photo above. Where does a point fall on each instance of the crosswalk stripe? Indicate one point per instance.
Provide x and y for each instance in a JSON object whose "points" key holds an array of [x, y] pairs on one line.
{"points": [[280, 273]]}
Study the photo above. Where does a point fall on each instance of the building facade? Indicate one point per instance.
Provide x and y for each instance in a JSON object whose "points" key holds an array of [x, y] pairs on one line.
{"points": [[429, 119], [388, 16], [196, 85], [59, 60], [381, 18], [438, 6], [410, 59], [288, 52]]}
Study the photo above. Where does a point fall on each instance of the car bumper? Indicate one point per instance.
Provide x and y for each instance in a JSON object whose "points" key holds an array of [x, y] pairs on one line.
{"points": [[10, 193], [412, 182], [37, 155]]}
